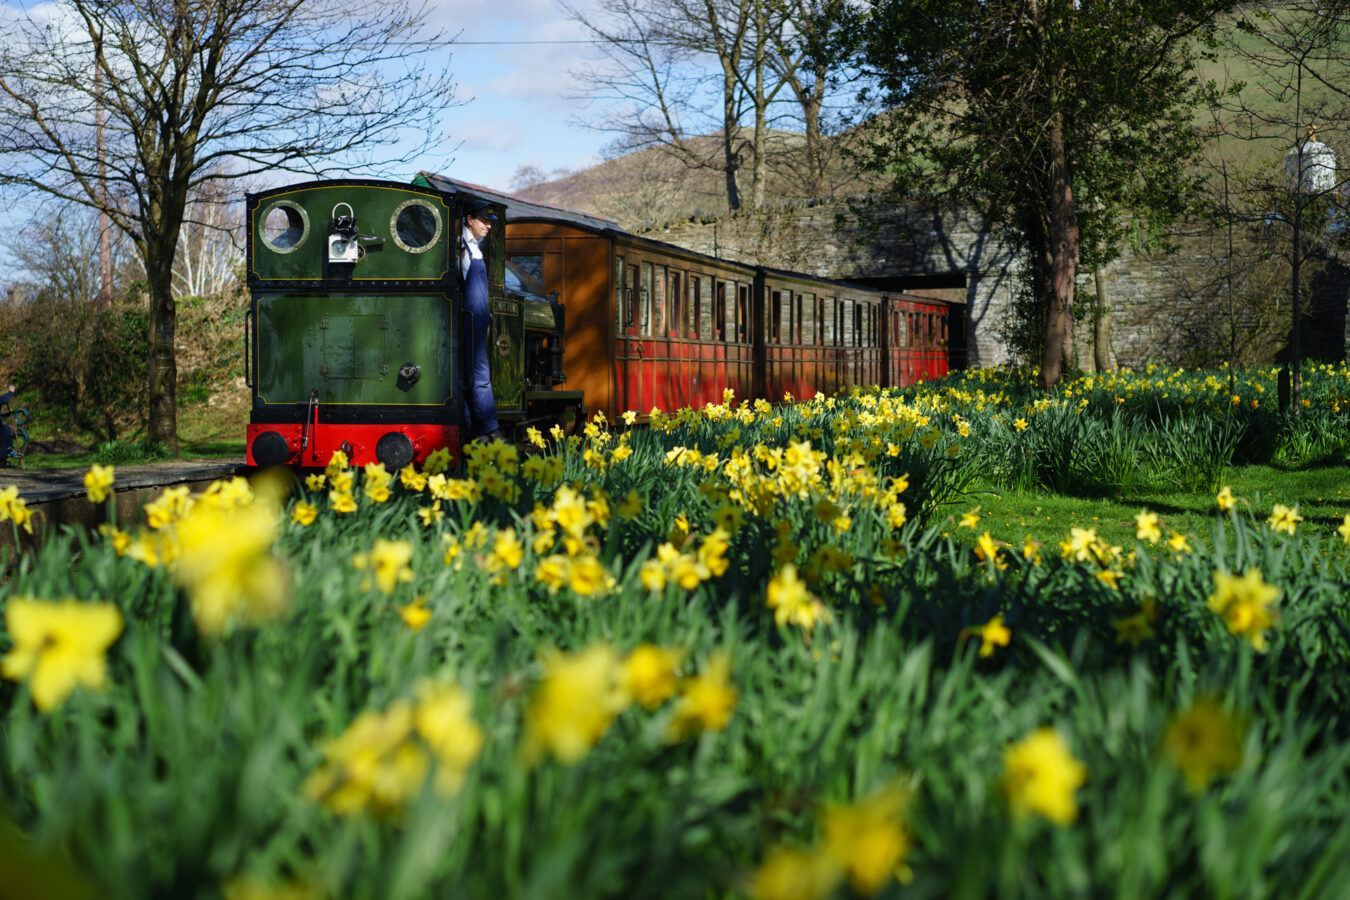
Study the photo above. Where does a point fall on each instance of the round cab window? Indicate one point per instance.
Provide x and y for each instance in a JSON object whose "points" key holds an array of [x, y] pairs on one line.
{"points": [[284, 227], [416, 225]]}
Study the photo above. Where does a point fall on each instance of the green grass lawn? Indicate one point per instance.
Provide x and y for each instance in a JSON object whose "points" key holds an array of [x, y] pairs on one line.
{"points": [[204, 432], [1322, 494]]}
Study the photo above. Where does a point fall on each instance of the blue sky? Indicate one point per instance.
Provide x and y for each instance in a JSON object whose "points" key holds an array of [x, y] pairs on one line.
{"points": [[522, 103], [511, 64]]}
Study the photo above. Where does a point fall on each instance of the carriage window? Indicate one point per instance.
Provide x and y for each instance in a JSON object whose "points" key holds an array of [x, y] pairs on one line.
{"points": [[675, 326], [787, 324], [705, 308], [734, 324], [806, 306], [775, 323], [697, 313], [691, 306], [846, 323], [619, 306], [659, 306], [720, 312], [743, 311], [645, 299], [942, 338], [827, 321]]}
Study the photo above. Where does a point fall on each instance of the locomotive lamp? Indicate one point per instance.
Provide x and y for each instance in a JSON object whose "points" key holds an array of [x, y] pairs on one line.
{"points": [[345, 243]]}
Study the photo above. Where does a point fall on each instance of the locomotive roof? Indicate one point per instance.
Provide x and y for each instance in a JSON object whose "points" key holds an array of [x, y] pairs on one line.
{"points": [[518, 209]]}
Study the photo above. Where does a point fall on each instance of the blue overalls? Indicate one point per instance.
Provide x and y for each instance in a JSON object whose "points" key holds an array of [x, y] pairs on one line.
{"points": [[480, 407]]}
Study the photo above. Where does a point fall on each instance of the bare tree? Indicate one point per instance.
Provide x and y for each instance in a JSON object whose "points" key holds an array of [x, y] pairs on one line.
{"points": [[654, 90], [708, 81], [186, 89], [210, 246], [803, 56]]}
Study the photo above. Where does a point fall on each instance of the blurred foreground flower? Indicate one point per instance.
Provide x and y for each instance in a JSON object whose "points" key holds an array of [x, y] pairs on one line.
{"points": [[246, 888], [1203, 741], [97, 482], [869, 839], [1244, 604], [388, 564], [1041, 776], [788, 873], [992, 634], [574, 704], [58, 646], [380, 763], [1146, 527], [1284, 518], [220, 554], [792, 604], [14, 508], [706, 700], [651, 674]]}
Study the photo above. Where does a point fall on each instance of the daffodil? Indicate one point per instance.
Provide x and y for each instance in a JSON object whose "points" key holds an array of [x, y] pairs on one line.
{"points": [[706, 700], [59, 646], [387, 562], [1284, 518], [651, 674], [869, 839], [1146, 527], [1042, 776], [304, 513], [576, 701], [98, 481], [1245, 604], [1204, 740], [415, 615], [792, 603], [222, 557]]}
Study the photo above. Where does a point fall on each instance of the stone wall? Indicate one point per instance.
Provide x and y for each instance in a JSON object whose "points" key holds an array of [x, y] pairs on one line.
{"points": [[1157, 298]]}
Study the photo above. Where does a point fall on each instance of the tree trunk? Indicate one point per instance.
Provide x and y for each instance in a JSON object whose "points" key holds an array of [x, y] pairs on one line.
{"points": [[1101, 326], [163, 422], [815, 145], [1063, 261], [729, 164], [761, 112]]}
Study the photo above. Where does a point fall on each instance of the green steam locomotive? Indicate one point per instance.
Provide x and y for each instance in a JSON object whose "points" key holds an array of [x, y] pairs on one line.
{"points": [[352, 338]]}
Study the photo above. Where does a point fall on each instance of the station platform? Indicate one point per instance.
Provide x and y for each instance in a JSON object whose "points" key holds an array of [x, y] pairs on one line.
{"points": [[57, 496]]}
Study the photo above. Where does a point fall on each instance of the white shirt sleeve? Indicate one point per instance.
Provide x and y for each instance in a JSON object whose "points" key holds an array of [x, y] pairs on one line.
{"points": [[469, 251]]}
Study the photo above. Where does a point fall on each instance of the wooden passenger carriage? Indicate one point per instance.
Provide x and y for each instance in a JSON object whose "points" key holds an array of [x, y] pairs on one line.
{"points": [[655, 326]]}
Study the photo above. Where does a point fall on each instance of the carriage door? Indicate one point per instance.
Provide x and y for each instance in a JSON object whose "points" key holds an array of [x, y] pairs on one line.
{"points": [[628, 359]]}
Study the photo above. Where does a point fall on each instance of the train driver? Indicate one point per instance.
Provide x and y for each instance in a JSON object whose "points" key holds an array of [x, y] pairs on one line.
{"points": [[480, 407]]}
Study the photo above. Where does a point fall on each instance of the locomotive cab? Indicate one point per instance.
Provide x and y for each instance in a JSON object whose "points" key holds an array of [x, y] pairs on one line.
{"points": [[351, 331], [355, 314]]}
